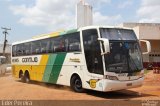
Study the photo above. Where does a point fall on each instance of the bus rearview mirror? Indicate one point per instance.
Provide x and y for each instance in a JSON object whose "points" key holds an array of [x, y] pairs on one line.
{"points": [[148, 46], [105, 43]]}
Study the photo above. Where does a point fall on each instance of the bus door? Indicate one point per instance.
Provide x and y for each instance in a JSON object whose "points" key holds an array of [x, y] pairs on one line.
{"points": [[93, 56]]}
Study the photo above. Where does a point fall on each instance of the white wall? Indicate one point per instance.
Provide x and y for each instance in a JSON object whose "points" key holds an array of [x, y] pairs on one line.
{"points": [[149, 32], [136, 30]]}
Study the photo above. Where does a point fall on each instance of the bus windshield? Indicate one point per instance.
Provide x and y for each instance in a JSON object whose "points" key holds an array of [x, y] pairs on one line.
{"points": [[118, 34], [125, 54]]}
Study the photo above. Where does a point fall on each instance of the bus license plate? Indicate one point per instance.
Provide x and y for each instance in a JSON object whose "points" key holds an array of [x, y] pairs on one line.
{"points": [[129, 84]]}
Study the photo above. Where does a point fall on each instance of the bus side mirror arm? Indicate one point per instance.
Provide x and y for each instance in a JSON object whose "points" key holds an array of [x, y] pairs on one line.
{"points": [[148, 44], [105, 43]]}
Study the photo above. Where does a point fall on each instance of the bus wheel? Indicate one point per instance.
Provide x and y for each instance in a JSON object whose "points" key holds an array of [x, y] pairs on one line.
{"points": [[21, 76], [26, 77], [76, 84]]}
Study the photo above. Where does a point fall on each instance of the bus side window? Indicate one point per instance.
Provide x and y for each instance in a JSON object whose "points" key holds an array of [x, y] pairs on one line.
{"points": [[59, 44], [19, 50], [27, 48], [74, 42], [51, 46], [56, 45], [67, 44], [36, 47], [45, 45], [14, 51]]}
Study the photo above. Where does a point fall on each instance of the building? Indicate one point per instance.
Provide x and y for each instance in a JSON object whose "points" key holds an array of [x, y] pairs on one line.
{"points": [[83, 14], [7, 52], [150, 32]]}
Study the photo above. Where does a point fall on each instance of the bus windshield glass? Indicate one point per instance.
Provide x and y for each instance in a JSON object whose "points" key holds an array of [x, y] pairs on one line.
{"points": [[118, 34], [125, 54]]}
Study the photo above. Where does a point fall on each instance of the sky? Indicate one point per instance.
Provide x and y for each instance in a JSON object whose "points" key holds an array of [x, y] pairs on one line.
{"points": [[28, 18]]}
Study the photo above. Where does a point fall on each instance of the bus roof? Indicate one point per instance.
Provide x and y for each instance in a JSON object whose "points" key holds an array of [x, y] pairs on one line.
{"points": [[62, 32], [95, 27]]}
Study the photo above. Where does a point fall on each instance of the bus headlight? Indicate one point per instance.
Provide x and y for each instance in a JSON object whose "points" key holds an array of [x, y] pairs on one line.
{"points": [[111, 77]]}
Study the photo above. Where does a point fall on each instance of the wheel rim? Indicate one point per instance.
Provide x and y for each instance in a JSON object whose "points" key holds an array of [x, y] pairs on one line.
{"points": [[21, 77], [78, 84], [27, 79]]}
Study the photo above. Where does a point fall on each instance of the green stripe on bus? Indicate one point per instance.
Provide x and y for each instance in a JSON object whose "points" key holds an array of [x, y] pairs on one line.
{"points": [[68, 32], [71, 31], [57, 68], [49, 67]]}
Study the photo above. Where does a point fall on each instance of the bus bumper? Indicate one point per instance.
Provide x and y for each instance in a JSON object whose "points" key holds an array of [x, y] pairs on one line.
{"points": [[112, 85]]}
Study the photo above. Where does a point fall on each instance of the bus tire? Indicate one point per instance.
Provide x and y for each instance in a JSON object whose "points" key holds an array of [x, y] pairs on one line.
{"points": [[76, 84], [26, 77]]}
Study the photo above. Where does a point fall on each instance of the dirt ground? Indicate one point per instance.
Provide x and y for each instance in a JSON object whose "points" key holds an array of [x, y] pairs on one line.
{"points": [[13, 89]]}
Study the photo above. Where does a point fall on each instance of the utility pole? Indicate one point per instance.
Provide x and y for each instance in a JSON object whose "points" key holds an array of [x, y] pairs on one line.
{"points": [[5, 38]]}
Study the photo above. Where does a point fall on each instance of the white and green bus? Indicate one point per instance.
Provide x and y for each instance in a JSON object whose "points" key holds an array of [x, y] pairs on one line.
{"points": [[95, 57]]}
